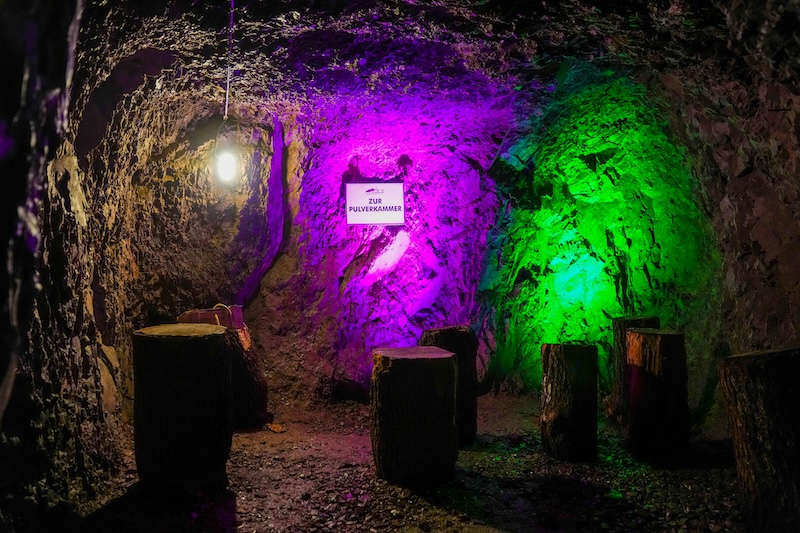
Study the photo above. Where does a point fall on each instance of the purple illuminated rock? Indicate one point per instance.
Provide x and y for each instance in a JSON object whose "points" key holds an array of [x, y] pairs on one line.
{"points": [[275, 213], [338, 290]]}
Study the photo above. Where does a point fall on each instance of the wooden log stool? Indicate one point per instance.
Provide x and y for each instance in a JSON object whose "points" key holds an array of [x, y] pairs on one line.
{"points": [[658, 420], [462, 341], [412, 415], [617, 406], [568, 418], [182, 404], [764, 418]]}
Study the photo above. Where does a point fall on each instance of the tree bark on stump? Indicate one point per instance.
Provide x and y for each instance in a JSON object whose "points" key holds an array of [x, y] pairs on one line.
{"points": [[617, 407], [657, 391], [412, 415], [249, 386], [760, 390], [462, 341], [568, 419], [182, 404]]}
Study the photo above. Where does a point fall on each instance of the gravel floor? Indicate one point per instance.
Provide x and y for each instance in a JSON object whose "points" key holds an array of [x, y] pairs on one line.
{"points": [[318, 476]]}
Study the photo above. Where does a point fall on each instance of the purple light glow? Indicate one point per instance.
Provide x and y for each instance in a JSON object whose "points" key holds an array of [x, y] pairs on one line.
{"points": [[6, 140], [384, 285]]}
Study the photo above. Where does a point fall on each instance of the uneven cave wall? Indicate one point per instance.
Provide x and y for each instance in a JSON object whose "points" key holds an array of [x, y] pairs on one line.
{"points": [[602, 218], [387, 93], [342, 290], [145, 125], [739, 293], [139, 182], [56, 433], [766, 35], [55, 442], [177, 238], [350, 58], [738, 116], [748, 144], [735, 111], [133, 229]]}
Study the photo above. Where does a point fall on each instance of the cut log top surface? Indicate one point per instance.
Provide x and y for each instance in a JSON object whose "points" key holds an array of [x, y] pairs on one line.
{"points": [[413, 352], [570, 345], [789, 351], [459, 327], [181, 330], [655, 331], [633, 318]]}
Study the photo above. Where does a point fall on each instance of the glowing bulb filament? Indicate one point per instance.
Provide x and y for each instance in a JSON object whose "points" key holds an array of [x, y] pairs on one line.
{"points": [[227, 167]]}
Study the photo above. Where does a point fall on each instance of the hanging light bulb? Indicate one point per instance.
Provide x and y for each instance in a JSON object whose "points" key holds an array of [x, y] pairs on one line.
{"points": [[226, 156], [227, 166]]}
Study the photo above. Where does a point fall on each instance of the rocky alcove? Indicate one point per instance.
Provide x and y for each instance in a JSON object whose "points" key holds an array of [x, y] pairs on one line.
{"points": [[562, 164]]}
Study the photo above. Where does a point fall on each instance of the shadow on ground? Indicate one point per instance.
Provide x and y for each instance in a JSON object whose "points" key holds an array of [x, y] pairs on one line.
{"points": [[513, 494], [540, 503], [153, 510], [697, 455]]}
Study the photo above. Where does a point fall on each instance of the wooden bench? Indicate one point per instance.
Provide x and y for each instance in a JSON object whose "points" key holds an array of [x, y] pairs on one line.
{"points": [[412, 415]]}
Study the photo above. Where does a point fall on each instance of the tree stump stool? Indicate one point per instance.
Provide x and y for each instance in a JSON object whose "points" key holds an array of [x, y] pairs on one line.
{"points": [[658, 402], [182, 404], [412, 415], [568, 418], [762, 401], [617, 407], [462, 341]]}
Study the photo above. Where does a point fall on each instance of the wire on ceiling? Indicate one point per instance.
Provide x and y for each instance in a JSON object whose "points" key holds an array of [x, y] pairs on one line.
{"points": [[230, 50]]}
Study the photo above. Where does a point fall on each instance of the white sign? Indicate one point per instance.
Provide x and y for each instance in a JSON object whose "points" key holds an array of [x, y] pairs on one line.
{"points": [[377, 202]]}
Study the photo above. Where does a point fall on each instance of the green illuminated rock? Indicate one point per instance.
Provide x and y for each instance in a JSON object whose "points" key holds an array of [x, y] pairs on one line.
{"points": [[603, 222]]}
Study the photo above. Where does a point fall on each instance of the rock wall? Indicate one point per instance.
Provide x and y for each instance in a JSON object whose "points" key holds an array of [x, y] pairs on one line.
{"points": [[55, 441], [601, 219], [766, 35], [746, 138], [132, 227], [341, 290]]}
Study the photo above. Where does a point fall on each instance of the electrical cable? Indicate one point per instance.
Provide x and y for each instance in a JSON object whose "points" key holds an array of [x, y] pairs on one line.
{"points": [[230, 50]]}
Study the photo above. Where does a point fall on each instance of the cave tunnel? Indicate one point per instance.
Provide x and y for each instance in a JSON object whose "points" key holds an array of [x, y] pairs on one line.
{"points": [[404, 265]]}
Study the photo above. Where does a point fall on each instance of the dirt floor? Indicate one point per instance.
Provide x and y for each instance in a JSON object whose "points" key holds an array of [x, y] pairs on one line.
{"points": [[319, 476]]}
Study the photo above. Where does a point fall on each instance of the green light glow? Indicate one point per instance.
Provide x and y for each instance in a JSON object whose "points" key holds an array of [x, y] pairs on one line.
{"points": [[603, 222]]}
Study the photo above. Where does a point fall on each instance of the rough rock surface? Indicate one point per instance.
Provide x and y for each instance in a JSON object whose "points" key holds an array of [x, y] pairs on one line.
{"points": [[132, 227], [601, 220]]}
